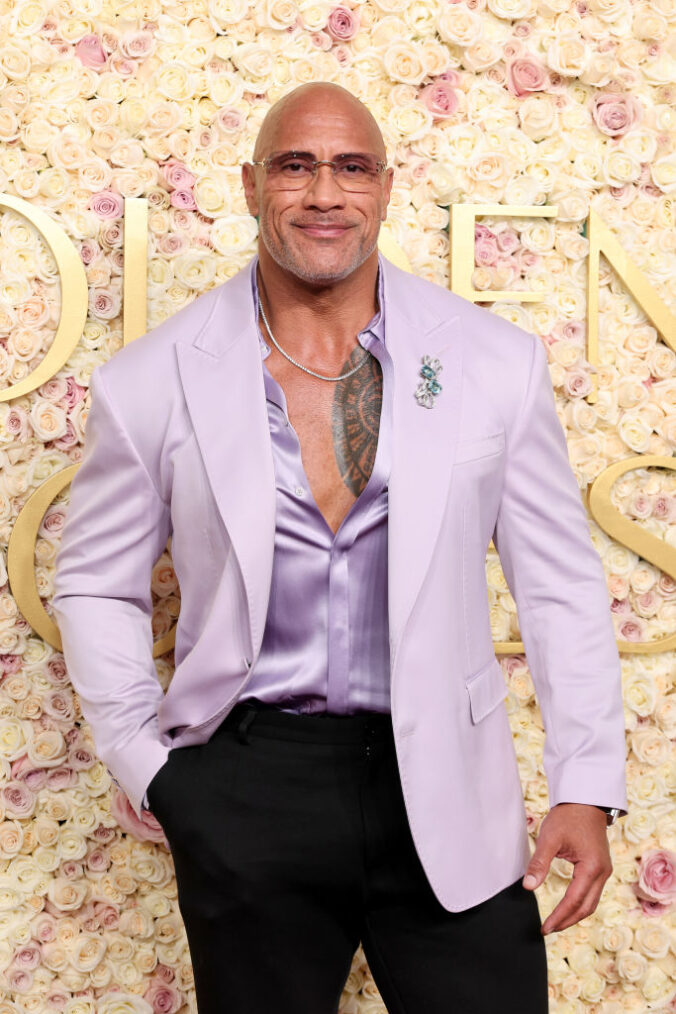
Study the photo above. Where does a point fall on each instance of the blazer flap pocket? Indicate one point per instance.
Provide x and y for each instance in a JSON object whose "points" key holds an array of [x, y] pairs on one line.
{"points": [[479, 447], [486, 688]]}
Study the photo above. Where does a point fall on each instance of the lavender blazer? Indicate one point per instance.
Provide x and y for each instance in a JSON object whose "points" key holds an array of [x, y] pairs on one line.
{"points": [[178, 444]]}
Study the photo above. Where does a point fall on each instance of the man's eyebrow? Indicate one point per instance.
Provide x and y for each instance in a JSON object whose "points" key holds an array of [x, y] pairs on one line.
{"points": [[311, 154]]}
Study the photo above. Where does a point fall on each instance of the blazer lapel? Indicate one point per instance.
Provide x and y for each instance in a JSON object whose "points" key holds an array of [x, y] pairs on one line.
{"points": [[224, 390], [423, 444]]}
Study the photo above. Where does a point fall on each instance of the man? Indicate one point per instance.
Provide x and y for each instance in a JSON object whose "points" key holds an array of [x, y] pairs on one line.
{"points": [[332, 443]]}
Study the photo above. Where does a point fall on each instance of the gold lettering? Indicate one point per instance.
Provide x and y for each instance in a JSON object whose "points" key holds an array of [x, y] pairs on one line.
{"points": [[602, 241], [73, 297], [463, 219]]}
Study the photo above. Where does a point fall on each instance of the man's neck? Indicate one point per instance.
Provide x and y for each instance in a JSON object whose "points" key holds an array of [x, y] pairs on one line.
{"points": [[306, 318]]}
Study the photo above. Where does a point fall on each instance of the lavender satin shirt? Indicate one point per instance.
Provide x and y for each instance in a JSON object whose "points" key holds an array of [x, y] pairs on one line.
{"points": [[326, 640]]}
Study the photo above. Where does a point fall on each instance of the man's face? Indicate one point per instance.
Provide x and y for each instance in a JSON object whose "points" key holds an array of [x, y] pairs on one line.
{"points": [[320, 233]]}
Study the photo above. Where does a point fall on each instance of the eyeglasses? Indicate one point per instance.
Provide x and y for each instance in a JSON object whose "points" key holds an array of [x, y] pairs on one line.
{"points": [[293, 170]]}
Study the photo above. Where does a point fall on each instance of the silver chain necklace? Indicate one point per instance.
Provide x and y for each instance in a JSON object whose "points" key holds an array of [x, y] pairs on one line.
{"points": [[367, 355]]}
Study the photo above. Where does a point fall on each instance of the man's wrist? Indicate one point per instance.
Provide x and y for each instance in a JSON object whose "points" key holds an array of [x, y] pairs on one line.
{"points": [[611, 812]]}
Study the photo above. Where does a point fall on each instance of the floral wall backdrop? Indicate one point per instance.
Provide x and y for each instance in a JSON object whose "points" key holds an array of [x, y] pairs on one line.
{"points": [[508, 101]]}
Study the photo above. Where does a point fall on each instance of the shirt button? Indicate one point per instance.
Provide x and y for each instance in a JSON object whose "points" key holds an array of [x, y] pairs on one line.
{"points": [[299, 491]]}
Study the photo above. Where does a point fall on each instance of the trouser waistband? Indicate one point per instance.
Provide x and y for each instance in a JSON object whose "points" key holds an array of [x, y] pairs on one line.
{"points": [[360, 727]]}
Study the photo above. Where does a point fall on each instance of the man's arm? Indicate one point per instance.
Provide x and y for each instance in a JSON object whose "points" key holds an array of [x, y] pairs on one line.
{"points": [[558, 583], [557, 580], [116, 527]]}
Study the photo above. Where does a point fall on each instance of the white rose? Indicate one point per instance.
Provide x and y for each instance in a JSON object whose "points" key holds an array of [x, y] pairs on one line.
{"points": [[459, 25], [403, 61], [568, 54], [663, 173]]}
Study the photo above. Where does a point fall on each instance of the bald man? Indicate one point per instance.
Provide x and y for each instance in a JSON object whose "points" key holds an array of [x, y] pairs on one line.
{"points": [[265, 427]]}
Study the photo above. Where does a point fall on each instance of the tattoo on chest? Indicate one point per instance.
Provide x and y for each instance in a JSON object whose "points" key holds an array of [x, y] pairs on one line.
{"points": [[355, 420]]}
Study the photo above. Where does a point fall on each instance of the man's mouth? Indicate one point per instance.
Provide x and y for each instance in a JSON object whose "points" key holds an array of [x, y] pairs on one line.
{"points": [[325, 230]]}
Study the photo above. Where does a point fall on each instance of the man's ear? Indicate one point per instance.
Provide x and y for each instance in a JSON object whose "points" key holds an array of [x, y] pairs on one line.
{"points": [[249, 185]]}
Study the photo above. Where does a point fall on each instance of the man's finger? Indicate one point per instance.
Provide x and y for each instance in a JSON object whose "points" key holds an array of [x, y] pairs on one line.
{"points": [[540, 861], [579, 901]]}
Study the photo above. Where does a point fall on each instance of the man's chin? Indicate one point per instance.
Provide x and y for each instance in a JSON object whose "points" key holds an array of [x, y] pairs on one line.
{"points": [[322, 270]]}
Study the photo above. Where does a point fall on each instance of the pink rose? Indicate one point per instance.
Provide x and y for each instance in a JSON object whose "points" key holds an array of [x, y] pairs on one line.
{"points": [[52, 522], [171, 243], [18, 799], [163, 998], [17, 423], [657, 876], [614, 113], [524, 75], [112, 233], [229, 119], [61, 778], [136, 44], [148, 828], [665, 508], [81, 759], [10, 664], [322, 40], [19, 980], [74, 394], [572, 330], [59, 705], [90, 52], [183, 199], [485, 246], [632, 629], [44, 927], [67, 439], [103, 834], [343, 24], [652, 909], [577, 383], [98, 860], [452, 76], [508, 240], [526, 260], [105, 302], [107, 204], [440, 98], [89, 251], [27, 956], [56, 672], [177, 176]]}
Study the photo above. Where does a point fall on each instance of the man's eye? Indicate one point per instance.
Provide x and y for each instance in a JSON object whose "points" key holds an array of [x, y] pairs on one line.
{"points": [[294, 167], [353, 168]]}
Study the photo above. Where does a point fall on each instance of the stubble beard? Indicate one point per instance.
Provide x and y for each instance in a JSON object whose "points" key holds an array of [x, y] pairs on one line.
{"points": [[292, 262]]}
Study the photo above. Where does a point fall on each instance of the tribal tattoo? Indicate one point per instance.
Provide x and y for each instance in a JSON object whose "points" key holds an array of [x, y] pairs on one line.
{"points": [[355, 420]]}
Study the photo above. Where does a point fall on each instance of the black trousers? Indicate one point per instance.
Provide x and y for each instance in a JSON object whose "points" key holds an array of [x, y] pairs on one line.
{"points": [[291, 845]]}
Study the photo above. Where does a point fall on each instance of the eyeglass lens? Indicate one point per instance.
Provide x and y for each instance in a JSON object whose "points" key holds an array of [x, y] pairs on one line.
{"points": [[293, 170]]}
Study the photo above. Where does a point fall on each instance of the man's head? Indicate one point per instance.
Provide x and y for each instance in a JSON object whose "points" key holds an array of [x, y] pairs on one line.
{"points": [[320, 233]]}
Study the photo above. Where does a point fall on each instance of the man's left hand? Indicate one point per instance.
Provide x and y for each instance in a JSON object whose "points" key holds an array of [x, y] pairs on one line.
{"points": [[576, 832]]}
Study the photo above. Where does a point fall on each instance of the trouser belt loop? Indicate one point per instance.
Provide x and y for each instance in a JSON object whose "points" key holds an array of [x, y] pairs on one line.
{"points": [[243, 726]]}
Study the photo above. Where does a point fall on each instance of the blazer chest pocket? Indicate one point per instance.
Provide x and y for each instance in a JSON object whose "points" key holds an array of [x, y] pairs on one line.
{"points": [[486, 689], [474, 448]]}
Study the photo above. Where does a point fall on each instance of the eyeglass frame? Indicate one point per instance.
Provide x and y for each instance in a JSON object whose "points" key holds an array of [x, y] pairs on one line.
{"points": [[381, 166]]}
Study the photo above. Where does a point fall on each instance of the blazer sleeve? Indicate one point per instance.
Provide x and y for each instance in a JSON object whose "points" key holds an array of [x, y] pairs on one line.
{"points": [[558, 583], [116, 527]]}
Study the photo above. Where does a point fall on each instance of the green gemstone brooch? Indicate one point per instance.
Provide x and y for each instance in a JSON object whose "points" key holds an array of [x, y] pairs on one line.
{"points": [[429, 387]]}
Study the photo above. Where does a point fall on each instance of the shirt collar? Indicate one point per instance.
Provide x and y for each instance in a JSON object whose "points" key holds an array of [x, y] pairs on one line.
{"points": [[376, 325]]}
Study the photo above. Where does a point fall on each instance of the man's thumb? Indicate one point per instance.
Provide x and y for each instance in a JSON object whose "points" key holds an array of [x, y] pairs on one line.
{"points": [[536, 871]]}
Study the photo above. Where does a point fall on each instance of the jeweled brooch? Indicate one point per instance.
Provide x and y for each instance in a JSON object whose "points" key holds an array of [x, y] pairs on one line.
{"points": [[429, 387]]}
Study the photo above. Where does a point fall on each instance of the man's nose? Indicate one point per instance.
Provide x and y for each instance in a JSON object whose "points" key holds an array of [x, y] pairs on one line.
{"points": [[323, 191]]}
